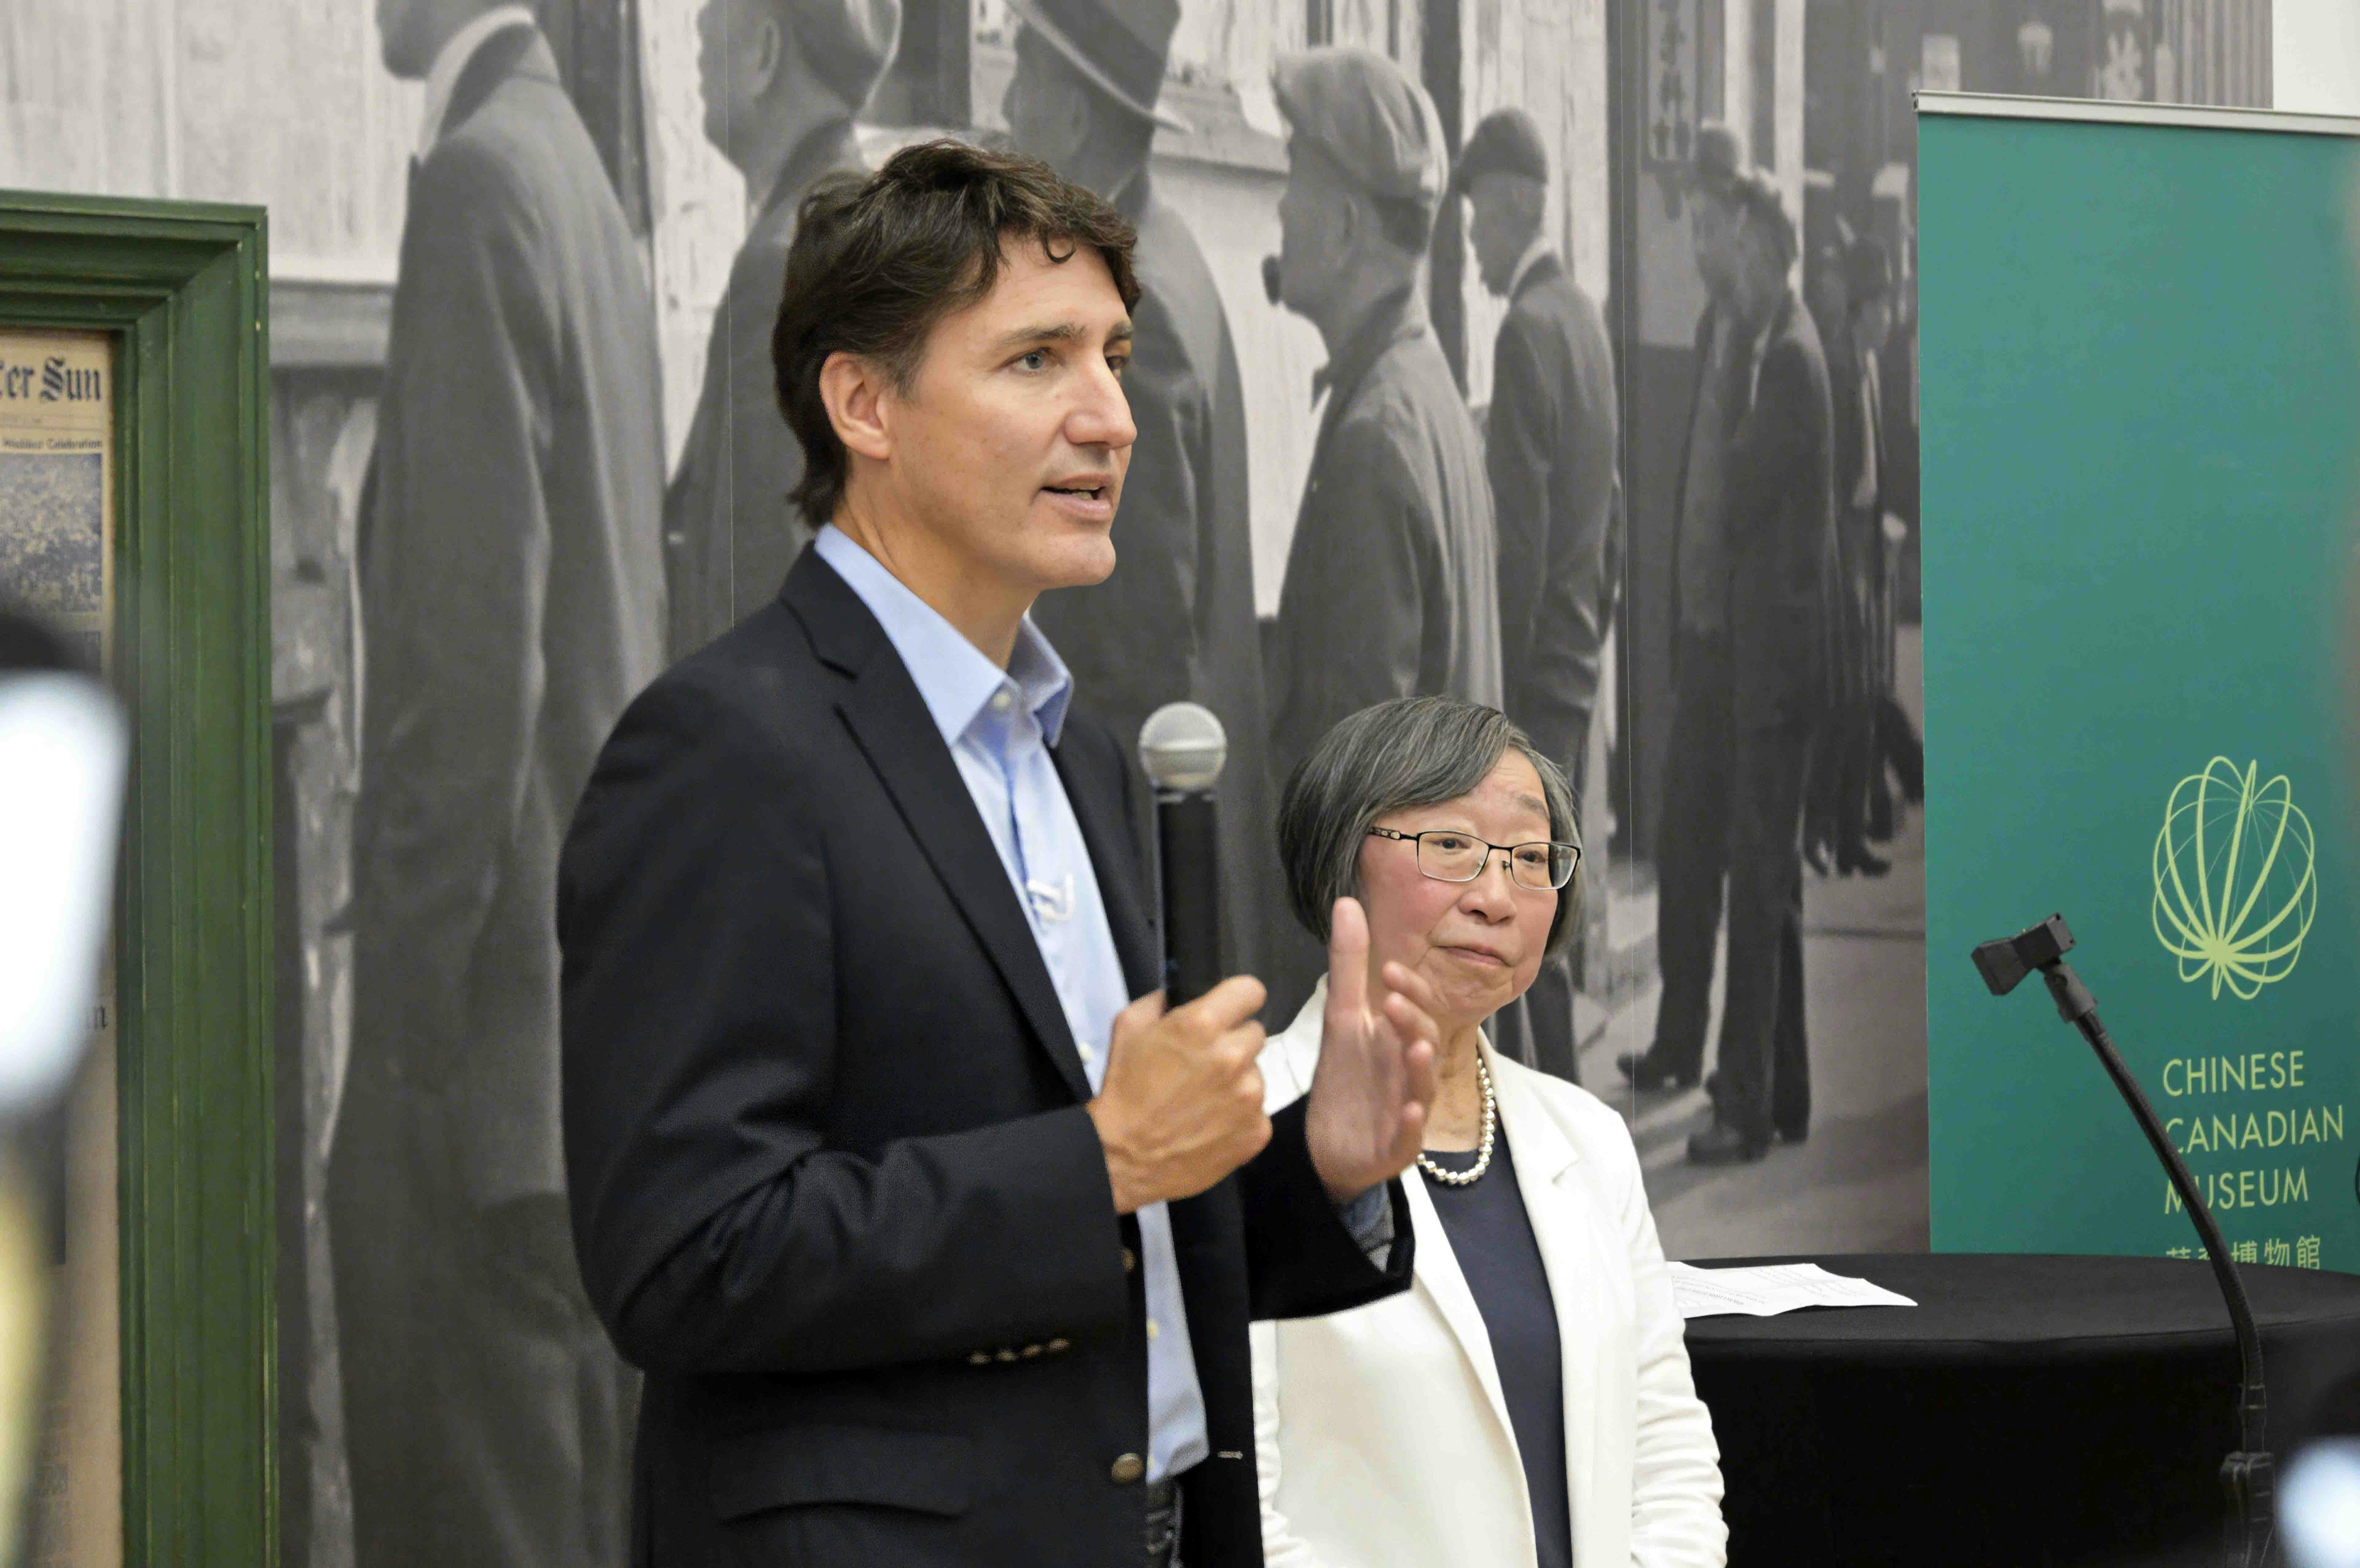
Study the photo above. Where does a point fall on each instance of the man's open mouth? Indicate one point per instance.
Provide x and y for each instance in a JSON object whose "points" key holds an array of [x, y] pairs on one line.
{"points": [[1092, 491]]}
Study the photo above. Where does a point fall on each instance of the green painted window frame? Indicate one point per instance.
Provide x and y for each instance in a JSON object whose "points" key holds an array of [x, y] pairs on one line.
{"points": [[183, 287]]}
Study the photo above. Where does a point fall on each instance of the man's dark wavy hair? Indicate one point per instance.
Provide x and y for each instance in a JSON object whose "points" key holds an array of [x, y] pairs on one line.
{"points": [[878, 260]]}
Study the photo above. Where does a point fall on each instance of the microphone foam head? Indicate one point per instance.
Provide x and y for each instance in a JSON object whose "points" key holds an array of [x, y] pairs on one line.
{"points": [[1182, 747]]}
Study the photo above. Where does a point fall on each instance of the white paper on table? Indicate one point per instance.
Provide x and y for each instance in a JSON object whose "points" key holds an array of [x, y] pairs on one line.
{"points": [[1771, 1290]]}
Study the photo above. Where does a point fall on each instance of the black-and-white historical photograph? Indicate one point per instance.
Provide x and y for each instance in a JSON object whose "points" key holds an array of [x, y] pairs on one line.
{"points": [[1555, 355]]}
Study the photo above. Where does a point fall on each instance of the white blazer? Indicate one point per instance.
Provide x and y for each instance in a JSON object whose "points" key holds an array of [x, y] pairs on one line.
{"points": [[1382, 1435]]}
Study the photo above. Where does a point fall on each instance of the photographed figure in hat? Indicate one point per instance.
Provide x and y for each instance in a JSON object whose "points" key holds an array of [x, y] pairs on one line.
{"points": [[512, 602], [1887, 746], [1826, 294], [1176, 619], [782, 80], [1686, 927], [1749, 696], [1550, 449], [1868, 737], [1391, 586]]}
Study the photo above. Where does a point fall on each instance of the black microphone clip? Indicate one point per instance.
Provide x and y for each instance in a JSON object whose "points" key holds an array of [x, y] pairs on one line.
{"points": [[2006, 962]]}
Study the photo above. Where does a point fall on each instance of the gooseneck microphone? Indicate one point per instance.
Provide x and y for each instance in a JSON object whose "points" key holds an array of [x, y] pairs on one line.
{"points": [[1182, 749], [2246, 1481]]}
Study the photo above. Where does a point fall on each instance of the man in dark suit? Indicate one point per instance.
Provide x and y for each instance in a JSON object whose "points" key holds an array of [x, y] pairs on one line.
{"points": [[1391, 586], [1751, 687], [1853, 767], [1687, 931], [1176, 619], [936, 1246], [511, 600], [782, 80], [1549, 449], [1865, 485]]}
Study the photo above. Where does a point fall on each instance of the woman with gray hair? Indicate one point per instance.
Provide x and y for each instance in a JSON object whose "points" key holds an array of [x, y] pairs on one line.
{"points": [[1528, 1401]]}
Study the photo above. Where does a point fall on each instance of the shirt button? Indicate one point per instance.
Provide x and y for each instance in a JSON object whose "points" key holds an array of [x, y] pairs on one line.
{"points": [[1128, 1468], [1001, 702]]}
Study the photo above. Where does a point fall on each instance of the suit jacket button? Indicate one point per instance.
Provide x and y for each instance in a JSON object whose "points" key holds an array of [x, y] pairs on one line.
{"points": [[1129, 1468], [1032, 1350], [1007, 1355], [980, 1358], [1061, 1345], [1130, 1261]]}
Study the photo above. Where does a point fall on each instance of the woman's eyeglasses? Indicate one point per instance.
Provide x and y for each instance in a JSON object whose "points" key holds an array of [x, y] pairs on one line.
{"points": [[1449, 856]]}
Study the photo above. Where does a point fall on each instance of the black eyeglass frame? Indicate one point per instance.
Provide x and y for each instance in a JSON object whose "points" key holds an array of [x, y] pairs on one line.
{"points": [[1417, 841]]}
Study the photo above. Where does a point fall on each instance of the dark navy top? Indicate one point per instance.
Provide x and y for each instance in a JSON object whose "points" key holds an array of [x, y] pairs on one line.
{"points": [[1493, 1239]]}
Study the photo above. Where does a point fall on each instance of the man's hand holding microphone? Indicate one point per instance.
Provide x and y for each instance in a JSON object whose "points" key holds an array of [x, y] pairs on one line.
{"points": [[1181, 1104]]}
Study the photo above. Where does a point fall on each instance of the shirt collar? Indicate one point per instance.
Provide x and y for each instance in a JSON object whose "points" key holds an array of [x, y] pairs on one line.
{"points": [[832, 145], [457, 50], [1525, 264], [1394, 317], [1131, 198], [1759, 344], [955, 677]]}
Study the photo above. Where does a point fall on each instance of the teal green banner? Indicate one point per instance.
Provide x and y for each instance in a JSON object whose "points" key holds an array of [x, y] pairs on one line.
{"points": [[2141, 384]]}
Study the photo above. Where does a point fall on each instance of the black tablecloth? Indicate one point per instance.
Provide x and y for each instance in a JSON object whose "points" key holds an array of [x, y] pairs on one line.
{"points": [[2028, 1411]]}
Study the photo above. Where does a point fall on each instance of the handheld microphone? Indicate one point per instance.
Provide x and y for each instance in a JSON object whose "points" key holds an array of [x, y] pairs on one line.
{"points": [[1183, 747]]}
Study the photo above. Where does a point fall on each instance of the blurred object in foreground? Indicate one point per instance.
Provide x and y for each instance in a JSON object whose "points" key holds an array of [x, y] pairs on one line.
{"points": [[64, 752], [2318, 1506]]}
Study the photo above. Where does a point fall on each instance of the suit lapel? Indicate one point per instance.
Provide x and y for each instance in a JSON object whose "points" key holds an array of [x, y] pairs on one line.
{"points": [[1436, 1270], [889, 722], [495, 60], [1106, 832], [1565, 1228], [1547, 268], [1872, 381]]}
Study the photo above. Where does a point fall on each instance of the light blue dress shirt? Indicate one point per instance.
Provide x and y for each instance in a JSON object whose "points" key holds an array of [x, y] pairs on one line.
{"points": [[999, 724]]}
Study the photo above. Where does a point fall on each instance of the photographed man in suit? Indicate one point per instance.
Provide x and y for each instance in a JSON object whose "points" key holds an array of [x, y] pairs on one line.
{"points": [[1176, 618], [1687, 931], [1751, 688], [512, 597], [1847, 764], [937, 1234], [1549, 449], [1391, 586], [1864, 489], [782, 80]]}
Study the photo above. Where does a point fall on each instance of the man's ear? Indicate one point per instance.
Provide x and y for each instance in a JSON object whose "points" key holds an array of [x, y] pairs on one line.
{"points": [[1074, 117], [765, 53], [856, 392]]}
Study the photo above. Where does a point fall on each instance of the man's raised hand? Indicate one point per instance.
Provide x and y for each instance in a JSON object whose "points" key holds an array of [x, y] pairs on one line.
{"points": [[1374, 1084]]}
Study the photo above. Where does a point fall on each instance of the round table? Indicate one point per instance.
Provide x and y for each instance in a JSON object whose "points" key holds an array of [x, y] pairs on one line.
{"points": [[2029, 1410]]}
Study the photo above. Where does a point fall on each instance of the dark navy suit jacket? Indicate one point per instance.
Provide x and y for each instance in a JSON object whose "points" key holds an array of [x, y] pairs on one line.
{"points": [[834, 1185]]}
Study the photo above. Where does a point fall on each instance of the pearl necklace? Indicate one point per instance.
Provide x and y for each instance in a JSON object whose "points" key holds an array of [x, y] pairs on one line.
{"points": [[1483, 1149]]}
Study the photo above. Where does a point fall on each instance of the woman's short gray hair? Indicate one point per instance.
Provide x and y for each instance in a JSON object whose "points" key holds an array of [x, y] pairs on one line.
{"points": [[1412, 751]]}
